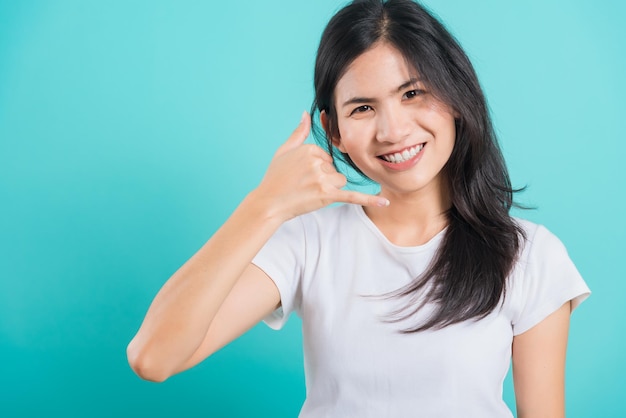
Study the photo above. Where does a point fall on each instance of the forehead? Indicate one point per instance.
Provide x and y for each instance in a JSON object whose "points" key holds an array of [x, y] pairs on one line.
{"points": [[377, 72]]}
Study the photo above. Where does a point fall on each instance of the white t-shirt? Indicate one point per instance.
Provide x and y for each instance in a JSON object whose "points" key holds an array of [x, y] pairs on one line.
{"points": [[331, 266]]}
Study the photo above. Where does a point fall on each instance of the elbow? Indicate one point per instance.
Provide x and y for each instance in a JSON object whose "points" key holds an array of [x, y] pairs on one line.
{"points": [[143, 363]]}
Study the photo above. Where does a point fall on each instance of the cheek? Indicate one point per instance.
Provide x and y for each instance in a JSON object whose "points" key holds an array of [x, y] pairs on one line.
{"points": [[440, 124], [346, 135], [353, 134], [449, 130], [436, 112]]}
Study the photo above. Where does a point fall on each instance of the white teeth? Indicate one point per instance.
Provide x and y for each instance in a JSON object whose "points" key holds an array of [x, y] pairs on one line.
{"points": [[407, 154]]}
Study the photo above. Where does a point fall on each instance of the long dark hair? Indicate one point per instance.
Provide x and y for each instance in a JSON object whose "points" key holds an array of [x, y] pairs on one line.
{"points": [[467, 277]]}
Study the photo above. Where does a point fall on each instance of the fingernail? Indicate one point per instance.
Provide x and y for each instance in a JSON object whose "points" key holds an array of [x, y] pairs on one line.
{"points": [[383, 202], [303, 118]]}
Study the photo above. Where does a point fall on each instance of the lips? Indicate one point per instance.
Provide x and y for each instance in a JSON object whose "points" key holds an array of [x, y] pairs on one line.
{"points": [[403, 155]]}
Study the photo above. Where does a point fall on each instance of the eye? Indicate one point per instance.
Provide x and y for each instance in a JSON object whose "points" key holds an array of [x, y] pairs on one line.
{"points": [[361, 109], [413, 93]]}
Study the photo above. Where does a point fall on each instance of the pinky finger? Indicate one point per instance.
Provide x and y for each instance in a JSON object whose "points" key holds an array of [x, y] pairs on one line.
{"points": [[358, 198]]}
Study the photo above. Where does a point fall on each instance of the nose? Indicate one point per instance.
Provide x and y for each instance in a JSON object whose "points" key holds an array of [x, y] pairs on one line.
{"points": [[393, 124]]}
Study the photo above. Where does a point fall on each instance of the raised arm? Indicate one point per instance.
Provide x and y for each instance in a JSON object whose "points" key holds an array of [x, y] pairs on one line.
{"points": [[218, 294], [539, 367]]}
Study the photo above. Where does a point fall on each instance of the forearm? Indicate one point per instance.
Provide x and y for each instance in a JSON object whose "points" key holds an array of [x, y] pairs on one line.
{"points": [[300, 179], [182, 311]]}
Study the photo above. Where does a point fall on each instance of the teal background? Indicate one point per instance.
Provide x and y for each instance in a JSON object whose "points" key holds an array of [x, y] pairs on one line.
{"points": [[129, 130]]}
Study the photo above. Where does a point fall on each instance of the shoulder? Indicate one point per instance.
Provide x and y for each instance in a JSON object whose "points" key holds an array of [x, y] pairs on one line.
{"points": [[543, 278], [539, 243]]}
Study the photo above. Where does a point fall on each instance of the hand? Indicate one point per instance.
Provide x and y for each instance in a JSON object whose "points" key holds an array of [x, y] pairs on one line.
{"points": [[301, 178]]}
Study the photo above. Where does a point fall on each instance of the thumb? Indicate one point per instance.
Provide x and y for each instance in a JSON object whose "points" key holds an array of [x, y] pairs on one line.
{"points": [[299, 135]]}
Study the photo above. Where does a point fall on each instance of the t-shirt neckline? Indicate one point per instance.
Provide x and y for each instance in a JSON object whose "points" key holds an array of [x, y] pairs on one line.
{"points": [[429, 245]]}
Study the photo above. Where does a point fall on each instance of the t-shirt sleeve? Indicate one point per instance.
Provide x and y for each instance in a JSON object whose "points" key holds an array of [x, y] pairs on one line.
{"points": [[282, 259], [549, 280]]}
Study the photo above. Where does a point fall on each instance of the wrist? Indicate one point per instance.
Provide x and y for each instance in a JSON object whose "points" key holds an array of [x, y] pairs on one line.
{"points": [[264, 209]]}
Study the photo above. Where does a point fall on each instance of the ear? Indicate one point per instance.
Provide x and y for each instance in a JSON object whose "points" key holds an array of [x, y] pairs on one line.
{"points": [[336, 140]]}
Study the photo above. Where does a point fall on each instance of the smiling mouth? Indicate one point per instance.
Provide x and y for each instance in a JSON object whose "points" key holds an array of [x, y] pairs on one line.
{"points": [[405, 155]]}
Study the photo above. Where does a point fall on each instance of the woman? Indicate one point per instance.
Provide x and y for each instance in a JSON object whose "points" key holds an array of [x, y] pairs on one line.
{"points": [[413, 301]]}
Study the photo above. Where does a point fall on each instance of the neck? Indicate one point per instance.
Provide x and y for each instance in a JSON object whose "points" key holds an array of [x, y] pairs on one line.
{"points": [[411, 219]]}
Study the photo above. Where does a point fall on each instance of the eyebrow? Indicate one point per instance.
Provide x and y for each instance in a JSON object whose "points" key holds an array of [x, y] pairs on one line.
{"points": [[361, 100]]}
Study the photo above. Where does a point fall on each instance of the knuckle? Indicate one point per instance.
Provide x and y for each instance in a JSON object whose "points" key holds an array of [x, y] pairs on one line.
{"points": [[328, 168], [320, 176], [338, 180], [314, 166], [326, 189], [351, 198]]}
